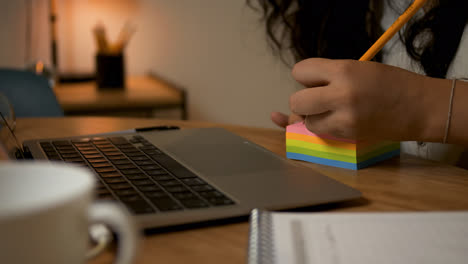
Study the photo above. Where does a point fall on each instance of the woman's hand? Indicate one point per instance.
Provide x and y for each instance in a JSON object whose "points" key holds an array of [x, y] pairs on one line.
{"points": [[368, 100], [283, 120]]}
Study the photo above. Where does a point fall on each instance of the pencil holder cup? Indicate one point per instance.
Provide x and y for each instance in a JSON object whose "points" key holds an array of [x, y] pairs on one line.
{"points": [[110, 71], [301, 144]]}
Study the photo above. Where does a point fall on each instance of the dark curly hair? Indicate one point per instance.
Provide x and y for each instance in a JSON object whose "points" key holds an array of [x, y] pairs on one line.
{"points": [[345, 29]]}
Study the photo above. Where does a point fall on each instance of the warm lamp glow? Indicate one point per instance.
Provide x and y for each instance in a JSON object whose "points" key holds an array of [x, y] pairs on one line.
{"points": [[126, 7]]}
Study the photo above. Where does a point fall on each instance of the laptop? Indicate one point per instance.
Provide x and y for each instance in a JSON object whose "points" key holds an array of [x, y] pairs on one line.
{"points": [[171, 177]]}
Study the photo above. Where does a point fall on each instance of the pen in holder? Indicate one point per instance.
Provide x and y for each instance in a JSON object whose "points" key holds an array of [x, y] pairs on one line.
{"points": [[110, 71]]}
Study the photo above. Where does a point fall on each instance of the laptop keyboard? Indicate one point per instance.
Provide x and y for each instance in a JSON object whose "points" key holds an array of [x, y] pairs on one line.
{"points": [[137, 173]]}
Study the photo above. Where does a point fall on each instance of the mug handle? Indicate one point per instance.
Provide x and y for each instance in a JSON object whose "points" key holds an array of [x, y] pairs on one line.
{"points": [[104, 216]]}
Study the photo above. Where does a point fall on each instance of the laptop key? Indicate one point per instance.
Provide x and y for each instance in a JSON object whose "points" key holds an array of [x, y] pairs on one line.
{"points": [[165, 204], [112, 153], [152, 152], [85, 148], [173, 166], [105, 169], [132, 153], [139, 158], [51, 153], [136, 176], [115, 180], [169, 183], [162, 177], [71, 155], [61, 143], [148, 148], [125, 192], [93, 156], [59, 148], [79, 163], [118, 140], [150, 167], [100, 164], [131, 171], [73, 159], [156, 172], [83, 145], [110, 174], [107, 148], [131, 198], [145, 162], [155, 194], [128, 145], [176, 189], [133, 140], [129, 149], [125, 166], [89, 152], [121, 162], [117, 157], [201, 188], [140, 207], [194, 203], [184, 195], [120, 186], [48, 149], [68, 151], [124, 145], [149, 188], [193, 181], [142, 182], [211, 194], [220, 201], [96, 160]]}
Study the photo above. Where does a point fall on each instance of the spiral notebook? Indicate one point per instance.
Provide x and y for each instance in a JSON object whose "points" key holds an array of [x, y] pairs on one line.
{"points": [[352, 238]]}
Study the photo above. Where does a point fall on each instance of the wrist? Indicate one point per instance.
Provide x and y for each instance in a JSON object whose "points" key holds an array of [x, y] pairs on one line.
{"points": [[434, 107]]}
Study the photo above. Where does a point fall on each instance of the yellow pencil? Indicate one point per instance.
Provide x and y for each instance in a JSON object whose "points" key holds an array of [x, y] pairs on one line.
{"points": [[392, 30]]}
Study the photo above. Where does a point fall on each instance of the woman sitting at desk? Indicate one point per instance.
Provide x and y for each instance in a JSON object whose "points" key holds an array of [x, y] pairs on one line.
{"points": [[377, 100]]}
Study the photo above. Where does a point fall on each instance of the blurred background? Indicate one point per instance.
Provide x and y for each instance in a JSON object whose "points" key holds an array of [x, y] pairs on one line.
{"points": [[216, 51]]}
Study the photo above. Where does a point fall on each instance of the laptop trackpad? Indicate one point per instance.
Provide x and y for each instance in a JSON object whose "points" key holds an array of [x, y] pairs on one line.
{"points": [[215, 151]]}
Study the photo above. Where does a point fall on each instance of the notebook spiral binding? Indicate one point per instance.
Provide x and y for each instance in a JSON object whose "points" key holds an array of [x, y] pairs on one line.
{"points": [[260, 248]]}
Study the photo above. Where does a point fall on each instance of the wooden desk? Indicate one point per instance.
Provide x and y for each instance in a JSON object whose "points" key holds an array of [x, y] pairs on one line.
{"points": [[142, 95], [400, 184]]}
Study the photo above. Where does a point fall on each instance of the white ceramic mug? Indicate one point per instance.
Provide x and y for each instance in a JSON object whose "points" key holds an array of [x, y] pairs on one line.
{"points": [[45, 213]]}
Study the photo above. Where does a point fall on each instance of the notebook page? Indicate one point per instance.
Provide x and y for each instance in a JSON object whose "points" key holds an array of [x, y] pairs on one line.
{"points": [[357, 238]]}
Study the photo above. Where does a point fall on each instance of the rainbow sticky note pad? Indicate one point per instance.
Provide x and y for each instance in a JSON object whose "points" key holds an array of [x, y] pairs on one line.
{"points": [[301, 144]]}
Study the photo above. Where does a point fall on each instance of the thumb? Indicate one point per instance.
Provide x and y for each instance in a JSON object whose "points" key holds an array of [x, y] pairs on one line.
{"points": [[283, 120], [280, 119]]}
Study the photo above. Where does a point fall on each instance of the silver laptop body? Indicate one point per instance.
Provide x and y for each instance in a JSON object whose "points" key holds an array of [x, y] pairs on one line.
{"points": [[244, 172]]}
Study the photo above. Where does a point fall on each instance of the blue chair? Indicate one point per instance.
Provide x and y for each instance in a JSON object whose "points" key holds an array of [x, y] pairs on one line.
{"points": [[29, 94]]}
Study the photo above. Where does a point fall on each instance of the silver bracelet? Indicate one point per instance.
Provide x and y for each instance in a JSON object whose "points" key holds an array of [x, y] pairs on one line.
{"points": [[449, 115]]}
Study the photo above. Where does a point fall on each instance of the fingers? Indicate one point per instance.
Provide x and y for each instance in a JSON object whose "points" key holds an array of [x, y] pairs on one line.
{"points": [[280, 119], [328, 123], [313, 101], [293, 119], [318, 124], [283, 120], [313, 72]]}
